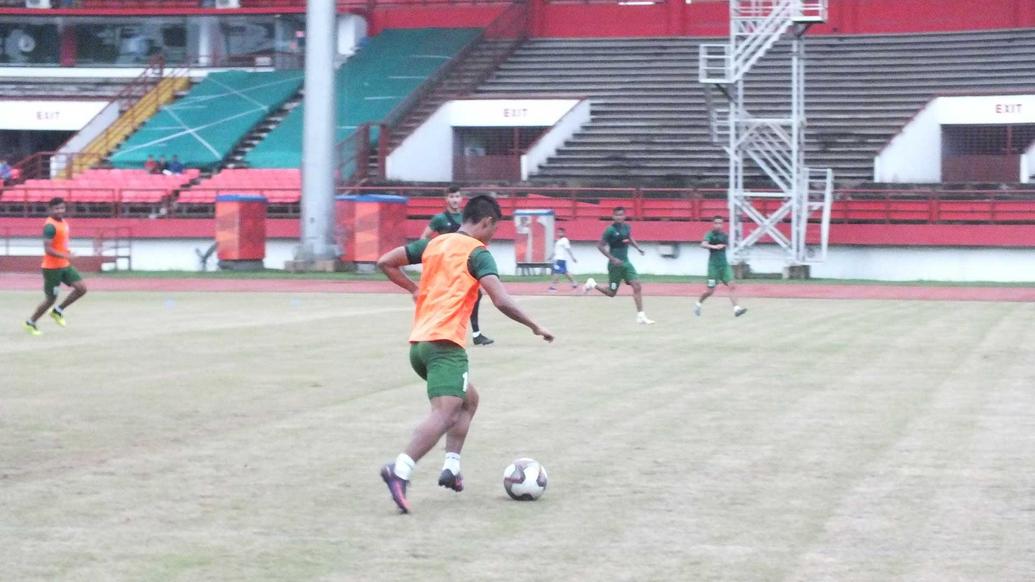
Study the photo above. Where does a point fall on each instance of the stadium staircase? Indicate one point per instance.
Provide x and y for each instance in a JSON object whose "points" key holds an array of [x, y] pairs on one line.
{"points": [[261, 131], [650, 122], [469, 72], [205, 125], [370, 85], [164, 92]]}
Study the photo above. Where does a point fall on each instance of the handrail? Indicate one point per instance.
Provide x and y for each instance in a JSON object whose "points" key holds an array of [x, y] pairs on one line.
{"points": [[514, 20], [134, 91], [918, 206]]}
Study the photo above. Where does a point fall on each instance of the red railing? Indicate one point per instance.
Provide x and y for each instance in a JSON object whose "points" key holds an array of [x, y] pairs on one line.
{"points": [[645, 204]]}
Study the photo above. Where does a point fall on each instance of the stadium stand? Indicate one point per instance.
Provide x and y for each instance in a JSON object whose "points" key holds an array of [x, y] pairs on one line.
{"points": [[203, 127], [650, 123], [369, 85], [279, 186], [101, 189]]}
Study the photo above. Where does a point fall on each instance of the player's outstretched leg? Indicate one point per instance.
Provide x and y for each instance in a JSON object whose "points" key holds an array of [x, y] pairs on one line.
{"points": [[30, 324], [707, 293], [445, 411], [451, 477], [641, 317], [58, 313], [737, 309]]}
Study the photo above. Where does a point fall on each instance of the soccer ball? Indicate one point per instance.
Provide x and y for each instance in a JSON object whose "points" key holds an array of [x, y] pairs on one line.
{"points": [[525, 480]]}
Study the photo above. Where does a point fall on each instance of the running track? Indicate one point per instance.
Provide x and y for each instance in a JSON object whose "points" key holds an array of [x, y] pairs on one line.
{"points": [[32, 282]]}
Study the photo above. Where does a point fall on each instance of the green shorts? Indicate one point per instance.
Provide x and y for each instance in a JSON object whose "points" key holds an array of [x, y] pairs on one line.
{"points": [[443, 364], [53, 278], [618, 273], [719, 274]]}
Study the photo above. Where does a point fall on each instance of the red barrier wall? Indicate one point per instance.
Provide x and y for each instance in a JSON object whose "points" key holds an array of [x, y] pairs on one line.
{"points": [[602, 19], [922, 235], [845, 17], [433, 16]]}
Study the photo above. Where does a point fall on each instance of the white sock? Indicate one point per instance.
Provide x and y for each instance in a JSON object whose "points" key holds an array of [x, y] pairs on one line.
{"points": [[404, 466], [641, 315], [58, 310], [698, 304], [452, 463], [476, 333]]}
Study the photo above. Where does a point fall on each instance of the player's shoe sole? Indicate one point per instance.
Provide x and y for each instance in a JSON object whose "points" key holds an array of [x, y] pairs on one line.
{"points": [[644, 321], [32, 329], [483, 340], [396, 488], [740, 312], [450, 481], [58, 318]]}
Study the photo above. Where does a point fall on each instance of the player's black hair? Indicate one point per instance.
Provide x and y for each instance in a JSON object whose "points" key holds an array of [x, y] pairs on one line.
{"points": [[561, 229], [717, 217], [618, 209], [55, 201], [453, 189], [482, 206]]}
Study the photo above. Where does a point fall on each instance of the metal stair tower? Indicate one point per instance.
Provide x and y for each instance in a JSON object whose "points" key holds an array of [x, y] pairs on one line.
{"points": [[776, 144]]}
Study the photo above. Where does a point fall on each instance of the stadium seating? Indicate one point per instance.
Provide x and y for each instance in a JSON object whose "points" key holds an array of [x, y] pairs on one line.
{"points": [[203, 127], [279, 186], [102, 186], [650, 122], [369, 85]]}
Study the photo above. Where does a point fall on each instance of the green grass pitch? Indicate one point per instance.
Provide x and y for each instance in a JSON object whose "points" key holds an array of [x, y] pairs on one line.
{"points": [[178, 436]]}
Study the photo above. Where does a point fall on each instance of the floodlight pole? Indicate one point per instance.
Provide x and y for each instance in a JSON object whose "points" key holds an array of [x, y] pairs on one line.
{"points": [[319, 122]]}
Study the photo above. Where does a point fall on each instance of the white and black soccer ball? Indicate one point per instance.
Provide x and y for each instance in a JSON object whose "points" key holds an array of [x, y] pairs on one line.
{"points": [[525, 479]]}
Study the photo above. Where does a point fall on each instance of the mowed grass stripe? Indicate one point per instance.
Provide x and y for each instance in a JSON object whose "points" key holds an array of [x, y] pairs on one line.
{"points": [[807, 440]]}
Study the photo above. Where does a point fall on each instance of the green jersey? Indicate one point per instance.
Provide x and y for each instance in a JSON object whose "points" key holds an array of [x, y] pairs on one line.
{"points": [[617, 238], [717, 257], [446, 222], [479, 264]]}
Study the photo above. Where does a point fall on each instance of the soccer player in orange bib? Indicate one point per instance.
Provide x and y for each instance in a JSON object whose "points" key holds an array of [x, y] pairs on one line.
{"points": [[454, 267], [57, 268]]}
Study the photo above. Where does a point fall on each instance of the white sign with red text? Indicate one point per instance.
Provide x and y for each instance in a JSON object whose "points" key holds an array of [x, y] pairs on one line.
{"points": [[55, 115], [986, 110]]}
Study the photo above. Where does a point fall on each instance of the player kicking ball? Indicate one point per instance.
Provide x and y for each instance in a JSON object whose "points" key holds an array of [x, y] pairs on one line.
{"points": [[454, 267], [57, 268], [615, 246], [449, 221], [719, 269]]}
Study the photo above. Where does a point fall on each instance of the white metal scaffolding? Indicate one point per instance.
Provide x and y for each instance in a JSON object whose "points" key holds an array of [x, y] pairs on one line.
{"points": [[776, 144]]}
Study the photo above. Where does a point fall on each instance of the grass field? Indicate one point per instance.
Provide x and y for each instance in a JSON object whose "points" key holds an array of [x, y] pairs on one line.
{"points": [[228, 436]]}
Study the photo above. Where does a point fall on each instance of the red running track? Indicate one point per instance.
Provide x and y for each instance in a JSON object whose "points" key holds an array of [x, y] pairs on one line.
{"points": [[32, 282]]}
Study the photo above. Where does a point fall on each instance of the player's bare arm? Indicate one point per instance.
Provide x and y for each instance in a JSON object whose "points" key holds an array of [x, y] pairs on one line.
{"points": [[428, 233], [391, 264], [494, 288], [636, 245]]}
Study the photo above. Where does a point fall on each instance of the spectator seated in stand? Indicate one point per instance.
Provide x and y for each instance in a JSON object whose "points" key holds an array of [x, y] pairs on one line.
{"points": [[174, 167], [6, 173], [150, 165]]}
